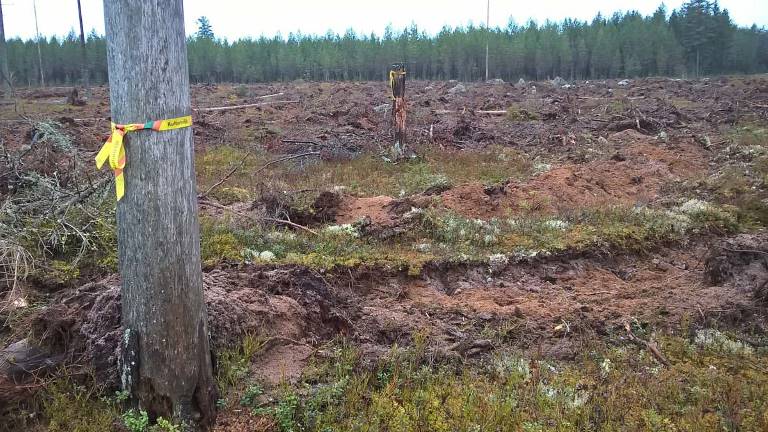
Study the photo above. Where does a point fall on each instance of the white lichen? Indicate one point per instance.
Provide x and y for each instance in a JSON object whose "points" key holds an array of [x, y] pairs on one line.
{"points": [[344, 229], [267, 256], [540, 167], [693, 206], [423, 247], [556, 224], [605, 367], [716, 340], [497, 262]]}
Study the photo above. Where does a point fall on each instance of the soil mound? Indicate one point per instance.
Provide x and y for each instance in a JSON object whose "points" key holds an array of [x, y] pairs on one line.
{"points": [[742, 262]]}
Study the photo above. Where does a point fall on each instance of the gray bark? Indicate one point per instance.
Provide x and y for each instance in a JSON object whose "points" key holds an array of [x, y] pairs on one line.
{"points": [[158, 231], [4, 75]]}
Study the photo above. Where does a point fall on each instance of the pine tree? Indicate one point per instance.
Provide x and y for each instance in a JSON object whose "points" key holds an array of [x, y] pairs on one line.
{"points": [[204, 29]]}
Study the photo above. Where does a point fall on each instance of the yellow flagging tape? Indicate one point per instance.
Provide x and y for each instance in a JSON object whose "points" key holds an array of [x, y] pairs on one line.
{"points": [[114, 151], [392, 75]]}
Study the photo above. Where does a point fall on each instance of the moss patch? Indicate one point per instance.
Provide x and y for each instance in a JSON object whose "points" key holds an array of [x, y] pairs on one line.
{"points": [[608, 389]]}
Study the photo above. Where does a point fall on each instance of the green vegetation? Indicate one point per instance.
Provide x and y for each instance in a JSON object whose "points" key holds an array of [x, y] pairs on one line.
{"points": [[233, 364], [441, 235], [71, 407], [714, 383], [521, 114], [743, 182], [366, 175], [68, 406], [607, 389], [136, 420]]}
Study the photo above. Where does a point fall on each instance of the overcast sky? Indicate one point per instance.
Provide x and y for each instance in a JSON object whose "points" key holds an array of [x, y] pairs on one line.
{"points": [[234, 19]]}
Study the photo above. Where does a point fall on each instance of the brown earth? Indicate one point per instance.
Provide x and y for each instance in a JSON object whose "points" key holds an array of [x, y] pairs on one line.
{"points": [[634, 175]]}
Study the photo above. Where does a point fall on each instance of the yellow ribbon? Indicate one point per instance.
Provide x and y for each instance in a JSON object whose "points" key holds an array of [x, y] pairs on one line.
{"points": [[392, 75], [114, 151]]}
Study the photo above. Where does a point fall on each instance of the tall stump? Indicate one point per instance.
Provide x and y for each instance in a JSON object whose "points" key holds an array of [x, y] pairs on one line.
{"points": [[397, 86], [166, 363]]}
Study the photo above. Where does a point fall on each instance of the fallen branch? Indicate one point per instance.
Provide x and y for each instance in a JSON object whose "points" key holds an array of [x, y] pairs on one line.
{"points": [[270, 95], [234, 107], [283, 159], [225, 178], [257, 218], [298, 141], [242, 162], [650, 346], [600, 293], [486, 112]]}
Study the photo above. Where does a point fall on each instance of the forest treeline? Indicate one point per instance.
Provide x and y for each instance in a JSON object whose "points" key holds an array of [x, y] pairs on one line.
{"points": [[697, 39]]}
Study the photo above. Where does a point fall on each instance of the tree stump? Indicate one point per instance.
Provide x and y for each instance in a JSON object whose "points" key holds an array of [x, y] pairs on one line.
{"points": [[397, 86]]}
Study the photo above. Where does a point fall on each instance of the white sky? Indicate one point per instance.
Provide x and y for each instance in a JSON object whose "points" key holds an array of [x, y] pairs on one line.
{"points": [[234, 19]]}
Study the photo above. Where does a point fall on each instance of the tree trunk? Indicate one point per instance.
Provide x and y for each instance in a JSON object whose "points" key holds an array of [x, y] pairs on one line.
{"points": [[39, 53], [487, 37], [83, 55], [163, 312], [4, 75]]}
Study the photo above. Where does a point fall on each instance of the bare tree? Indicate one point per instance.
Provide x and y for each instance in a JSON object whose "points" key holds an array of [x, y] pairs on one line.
{"points": [[39, 52], [166, 361], [83, 54]]}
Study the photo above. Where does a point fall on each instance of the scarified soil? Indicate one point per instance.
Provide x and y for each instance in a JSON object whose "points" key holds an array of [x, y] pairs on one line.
{"points": [[635, 175], [601, 144], [554, 305]]}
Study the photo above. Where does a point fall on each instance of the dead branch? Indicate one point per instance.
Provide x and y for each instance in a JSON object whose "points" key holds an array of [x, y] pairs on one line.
{"points": [[650, 346], [485, 112], [235, 107], [283, 159], [257, 218], [78, 198], [270, 95], [299, 141], [226, 177], [230, 173]]}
